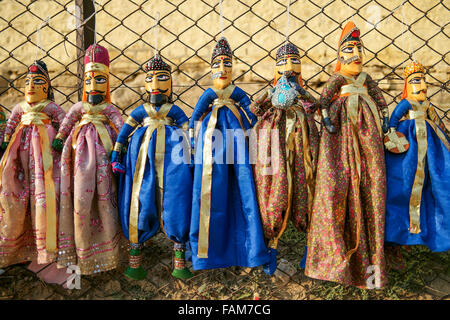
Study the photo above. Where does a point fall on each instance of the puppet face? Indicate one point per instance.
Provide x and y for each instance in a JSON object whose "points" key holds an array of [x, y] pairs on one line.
{"points": [[36, 88], [96, 85], [416, 87], [158, 84], [221, 69], [289, 62], [351, 53]]}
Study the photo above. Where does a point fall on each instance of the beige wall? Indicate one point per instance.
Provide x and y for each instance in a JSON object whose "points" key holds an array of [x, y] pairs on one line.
{"points": [[252, 45]]}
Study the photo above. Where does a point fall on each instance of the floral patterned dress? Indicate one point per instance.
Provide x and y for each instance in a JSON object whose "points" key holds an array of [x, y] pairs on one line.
{"points": [[25, 185], [89, 229], [346, 235], [287, 147]]}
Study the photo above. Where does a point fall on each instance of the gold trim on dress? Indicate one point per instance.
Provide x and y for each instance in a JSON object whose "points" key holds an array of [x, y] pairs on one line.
{"points": [[93, 115], [355, 88], [33, 115], [131, 122], [223, 100], [156, 120], [118, 147]]}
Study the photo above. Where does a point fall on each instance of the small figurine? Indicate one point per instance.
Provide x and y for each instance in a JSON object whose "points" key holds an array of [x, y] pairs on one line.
{"points": [[286, 161], [226, 227], [30, 173], [89, 229], [155, 189], [418, 200], [346, 232]]}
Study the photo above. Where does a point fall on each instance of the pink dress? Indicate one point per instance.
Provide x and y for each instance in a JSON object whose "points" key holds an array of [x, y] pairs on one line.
{"points": [[89, 229], [24, 186]]}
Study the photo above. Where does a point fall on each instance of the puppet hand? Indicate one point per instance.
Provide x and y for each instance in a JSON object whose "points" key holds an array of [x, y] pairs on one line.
{"points": [[392, 129], [385, 125], [329, 126], [117, 167], [57, 144]]}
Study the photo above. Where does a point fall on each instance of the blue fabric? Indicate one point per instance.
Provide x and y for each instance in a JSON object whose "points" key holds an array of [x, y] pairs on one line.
{"points": [[235, 231], [270, 267], [435, 203], [177, 183], [303, 262]]}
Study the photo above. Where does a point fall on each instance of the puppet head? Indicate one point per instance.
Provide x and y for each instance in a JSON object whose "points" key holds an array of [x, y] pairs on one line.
{"points": [[96, 75], [288, 59], [221, 64], [158, 81], [415, 87], [37, 83], [350, 49]]}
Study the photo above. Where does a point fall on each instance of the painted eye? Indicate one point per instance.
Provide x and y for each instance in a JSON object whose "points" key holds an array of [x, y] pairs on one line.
{"points": [[215, 65], [149, 79], [38, 82], [27, 82], [360, 48], [415, 81], [281, 62], [228, 64], [163, 77], [100, 80], [295, 61], [347, 50], [87, 81]]}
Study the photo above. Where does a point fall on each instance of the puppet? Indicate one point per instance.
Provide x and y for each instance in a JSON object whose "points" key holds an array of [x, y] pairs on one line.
{"points": [[30, 173], [89, 229], [155, 189], [346, 232], [287, 146], [226, 227], [418, 201]]}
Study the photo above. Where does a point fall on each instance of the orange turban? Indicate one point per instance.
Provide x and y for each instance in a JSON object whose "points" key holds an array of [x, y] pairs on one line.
{"points": [[411, 68], [349, 28]]}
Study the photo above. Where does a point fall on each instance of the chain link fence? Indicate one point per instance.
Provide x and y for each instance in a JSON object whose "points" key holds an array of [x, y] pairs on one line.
{"points": [[393, 33]]}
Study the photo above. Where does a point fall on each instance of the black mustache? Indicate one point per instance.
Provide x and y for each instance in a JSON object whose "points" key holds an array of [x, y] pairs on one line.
{"points": [[417, 92], [293, 73], [160, 90], [98, 92], [349, 60]]}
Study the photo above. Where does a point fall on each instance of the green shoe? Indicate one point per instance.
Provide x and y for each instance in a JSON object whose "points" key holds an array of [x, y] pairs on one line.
{"points": [[136, 273], [182, 273]]}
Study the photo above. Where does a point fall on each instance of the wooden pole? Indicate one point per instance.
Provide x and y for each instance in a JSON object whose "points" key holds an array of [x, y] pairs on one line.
{"points": [[85, 37]]}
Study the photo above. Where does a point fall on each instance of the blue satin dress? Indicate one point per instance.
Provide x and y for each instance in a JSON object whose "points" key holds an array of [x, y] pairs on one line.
{"points": [[435, 196], [177, 181], [235, 235]]}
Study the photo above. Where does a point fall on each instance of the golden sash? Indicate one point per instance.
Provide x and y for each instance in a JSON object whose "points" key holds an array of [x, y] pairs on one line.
{"points": [[156, 120], [223, 100], [355, 89], [418, 114], [33, 115], [98, 119]]}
